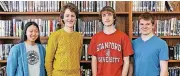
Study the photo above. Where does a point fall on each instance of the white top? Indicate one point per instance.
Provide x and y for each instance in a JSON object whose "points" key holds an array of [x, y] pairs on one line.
{"points": [[33, 58]]}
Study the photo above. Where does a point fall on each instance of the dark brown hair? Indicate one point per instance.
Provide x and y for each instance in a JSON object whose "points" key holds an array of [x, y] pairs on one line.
{"points": [[146, 16], [24, 36], [109, 9]]}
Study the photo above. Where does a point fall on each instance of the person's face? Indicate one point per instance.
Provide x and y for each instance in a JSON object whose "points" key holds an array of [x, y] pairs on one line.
{"points": [[32, 33], [146, 27], [107, 18], [69, 18]]}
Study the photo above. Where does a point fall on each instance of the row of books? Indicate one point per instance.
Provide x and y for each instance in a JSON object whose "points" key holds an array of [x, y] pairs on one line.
{"points": [[174, 52], [174, 71], [89, 28], [151, 6], [53, 6], [91, 6], [3, 71], [169, 27], [84, 55], [30, 6], [14, 27], [85, 71], [5, 49]]}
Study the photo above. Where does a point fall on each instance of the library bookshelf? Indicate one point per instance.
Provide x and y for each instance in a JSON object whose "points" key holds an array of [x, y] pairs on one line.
{"points": [[124, 21], [164, 37], [160, 13], [174, 61], [54, 13], [3, 61]]}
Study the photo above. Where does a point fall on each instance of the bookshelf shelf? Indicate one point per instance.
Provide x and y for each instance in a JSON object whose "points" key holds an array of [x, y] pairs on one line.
{"points": [[84, 61], [11, 38], [87, 37], [52, 13], [97, 13], [122, 13], [173, 61], [19, 38], [158, 13], [89, 13], [26, 13], [3, 61], [164, 37]]}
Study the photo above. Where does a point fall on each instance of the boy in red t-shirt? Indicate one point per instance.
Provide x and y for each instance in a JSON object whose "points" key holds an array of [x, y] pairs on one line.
{"points": [[110, 49]]}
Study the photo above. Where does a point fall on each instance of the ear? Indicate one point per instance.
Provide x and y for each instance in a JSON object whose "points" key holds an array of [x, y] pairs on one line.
{"points": [[153, 26]]}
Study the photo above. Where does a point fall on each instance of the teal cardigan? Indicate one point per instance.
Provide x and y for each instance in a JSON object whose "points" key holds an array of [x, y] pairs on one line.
{"points": [[17, 64]]}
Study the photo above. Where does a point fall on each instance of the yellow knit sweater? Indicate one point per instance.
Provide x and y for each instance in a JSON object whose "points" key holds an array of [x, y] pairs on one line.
{"points": [[63, 53]]}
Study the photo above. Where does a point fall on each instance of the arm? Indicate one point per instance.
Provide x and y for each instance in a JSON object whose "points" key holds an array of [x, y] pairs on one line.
{"points": [[127, 51], [94, 66], [92, 51], [164, 68], [50, 52], [12, 62], [163, 56], [125, 66], [130, 72], [81, 46]]}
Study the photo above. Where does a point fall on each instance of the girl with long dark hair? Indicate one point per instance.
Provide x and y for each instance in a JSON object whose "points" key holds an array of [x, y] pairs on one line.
{"points": [[27, 57]]}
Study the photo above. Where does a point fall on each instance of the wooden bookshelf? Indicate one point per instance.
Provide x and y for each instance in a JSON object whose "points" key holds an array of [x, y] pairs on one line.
{"points": [[89, 13], [83, 61], [19, 38], [126, 13], [9, 37], [124, 21], [44, 38], [26, 13], [3, 61], [97, 13], [164, 37], [87, 37], [52, 13], [160, 13], [174, 61]]}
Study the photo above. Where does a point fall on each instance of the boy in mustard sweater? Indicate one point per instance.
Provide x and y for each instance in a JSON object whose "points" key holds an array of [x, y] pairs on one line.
{"points": [[63, 48]]}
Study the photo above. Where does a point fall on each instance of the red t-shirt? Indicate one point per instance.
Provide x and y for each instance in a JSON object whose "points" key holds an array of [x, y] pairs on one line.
{"points": [[110, 50]]}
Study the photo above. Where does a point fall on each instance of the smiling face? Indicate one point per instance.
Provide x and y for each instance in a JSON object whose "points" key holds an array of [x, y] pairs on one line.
{"points": [[146, 27], [107, 18], [69, 18], [32, 33]]}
